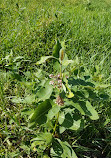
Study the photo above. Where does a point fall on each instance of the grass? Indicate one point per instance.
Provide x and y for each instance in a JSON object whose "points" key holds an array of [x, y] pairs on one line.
{"points": [[29, 29]]}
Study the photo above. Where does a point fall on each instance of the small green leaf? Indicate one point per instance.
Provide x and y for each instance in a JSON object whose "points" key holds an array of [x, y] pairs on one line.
{"points": [[57, 48], [76, 125], [53, 112], [67, 62], [61, 117], [61, 129], [43, 59], [17, 100], [45, 92], [46, 156], [94, 114], [29, 99], [27, 112], [56, 66], [70, 95]]}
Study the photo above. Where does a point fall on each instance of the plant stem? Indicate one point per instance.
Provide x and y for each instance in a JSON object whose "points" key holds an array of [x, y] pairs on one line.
{"points": [[56, 124], [61, 69], [58, 112]]}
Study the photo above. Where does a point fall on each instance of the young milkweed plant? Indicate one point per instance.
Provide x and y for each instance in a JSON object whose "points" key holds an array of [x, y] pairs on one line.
{"points": [[64, 103]]}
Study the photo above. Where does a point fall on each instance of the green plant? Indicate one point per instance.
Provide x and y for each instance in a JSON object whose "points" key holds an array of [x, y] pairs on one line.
{"points": [[52, 111], [61, 106]]}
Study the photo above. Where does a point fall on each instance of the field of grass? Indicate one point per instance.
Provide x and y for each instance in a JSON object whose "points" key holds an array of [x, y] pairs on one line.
{"points": [[29, 30]]}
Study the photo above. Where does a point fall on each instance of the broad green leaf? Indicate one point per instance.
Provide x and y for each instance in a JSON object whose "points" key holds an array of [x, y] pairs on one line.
{"points": [[45, 137], [85, 108], [68, 151], [53, 112], [57, 48], [42, 83], [40, 112], [62, 150], [94, 114], [27, 112], [61, 117], [61, 129], [67, 62], [76, 125], [29, 99], [17, 100], [80, 108], [43, 59], [56, 66], [45, 92], [56, 149], [76, 105], [68, 121], [41, 146]]}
